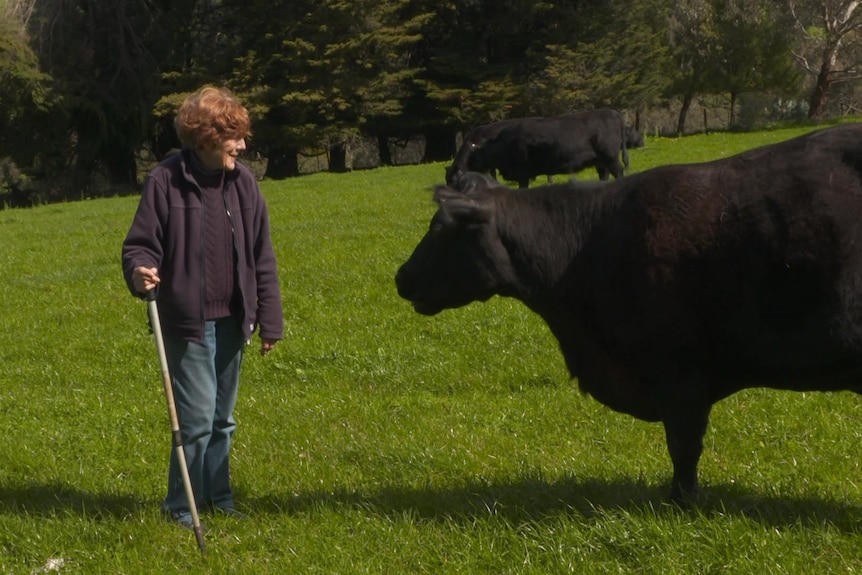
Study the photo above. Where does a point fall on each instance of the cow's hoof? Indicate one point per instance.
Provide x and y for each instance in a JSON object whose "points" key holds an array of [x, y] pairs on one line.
{"points": [[684, 499]]}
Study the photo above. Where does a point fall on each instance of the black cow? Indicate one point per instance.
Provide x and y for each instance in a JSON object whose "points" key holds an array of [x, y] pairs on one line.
{"points": [[524, 148], [634, 139], [673, 288]]}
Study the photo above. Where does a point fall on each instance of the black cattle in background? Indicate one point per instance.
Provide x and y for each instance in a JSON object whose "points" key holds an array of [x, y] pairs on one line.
{"points": [[523, 148], [634, 139]]}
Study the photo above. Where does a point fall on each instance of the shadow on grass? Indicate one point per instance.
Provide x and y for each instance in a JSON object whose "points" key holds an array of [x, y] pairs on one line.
{"points": [[526, 500], [536, 500], [46, 500]]}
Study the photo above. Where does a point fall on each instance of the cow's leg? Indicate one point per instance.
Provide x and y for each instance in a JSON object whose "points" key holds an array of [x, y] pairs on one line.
{"points": [[524, 184], [616, 168], [684, 428], [604, 173]]}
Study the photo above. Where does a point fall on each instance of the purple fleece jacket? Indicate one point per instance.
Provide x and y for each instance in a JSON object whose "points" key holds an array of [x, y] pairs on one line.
{"points": [[167, 233]]}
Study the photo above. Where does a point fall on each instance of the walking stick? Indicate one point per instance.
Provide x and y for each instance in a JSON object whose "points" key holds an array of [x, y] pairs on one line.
{"points": [[175, 422]]}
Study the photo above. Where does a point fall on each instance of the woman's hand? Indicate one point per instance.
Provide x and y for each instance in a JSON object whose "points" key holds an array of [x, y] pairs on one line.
{"points": [[266, 345], [145, 279]]}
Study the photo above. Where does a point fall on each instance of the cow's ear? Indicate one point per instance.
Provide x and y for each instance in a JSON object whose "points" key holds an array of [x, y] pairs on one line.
{"points": [[468, 182], [461, 207]]}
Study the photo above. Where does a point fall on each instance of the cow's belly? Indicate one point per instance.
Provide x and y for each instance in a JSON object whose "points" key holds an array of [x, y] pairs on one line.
{"points": [[622, 393], [614, 384]]}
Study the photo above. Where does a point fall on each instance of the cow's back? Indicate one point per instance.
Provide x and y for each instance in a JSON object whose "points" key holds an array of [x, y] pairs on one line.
{"points": [[561, 144], [752, 264]]}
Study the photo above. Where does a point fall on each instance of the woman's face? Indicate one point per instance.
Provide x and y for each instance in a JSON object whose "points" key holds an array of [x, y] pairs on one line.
{"points": [[222, 156]]}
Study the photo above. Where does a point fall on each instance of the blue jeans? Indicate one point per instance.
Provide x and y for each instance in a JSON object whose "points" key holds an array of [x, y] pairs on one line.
{"points": [[205, 382]]}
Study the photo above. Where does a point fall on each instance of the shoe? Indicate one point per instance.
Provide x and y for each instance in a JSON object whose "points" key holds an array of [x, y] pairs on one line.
{"points": [[184, 520], [231, 512]]}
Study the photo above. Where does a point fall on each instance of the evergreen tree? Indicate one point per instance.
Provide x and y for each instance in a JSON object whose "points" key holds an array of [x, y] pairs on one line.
{"points": [[620, 59], [192, 51], [476, 57], [98, 54], [320, 73]]}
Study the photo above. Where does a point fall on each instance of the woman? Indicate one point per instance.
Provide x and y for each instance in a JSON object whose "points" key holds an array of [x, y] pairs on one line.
{"points": [[201, 238]]}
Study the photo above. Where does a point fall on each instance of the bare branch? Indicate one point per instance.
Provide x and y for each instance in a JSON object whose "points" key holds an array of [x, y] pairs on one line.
{"points": [[803, 61], [19, 11]]}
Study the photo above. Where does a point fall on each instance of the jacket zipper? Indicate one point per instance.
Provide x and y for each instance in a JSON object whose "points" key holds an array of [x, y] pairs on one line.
{"points": [[234, 241], [203, 260]]}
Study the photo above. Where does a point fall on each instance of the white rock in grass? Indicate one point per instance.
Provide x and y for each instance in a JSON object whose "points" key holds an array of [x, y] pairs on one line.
{"points": [[53, 564]]}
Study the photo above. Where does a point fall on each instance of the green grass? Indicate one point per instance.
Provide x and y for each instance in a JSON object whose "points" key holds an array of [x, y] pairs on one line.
{"points": [[375, 440]]}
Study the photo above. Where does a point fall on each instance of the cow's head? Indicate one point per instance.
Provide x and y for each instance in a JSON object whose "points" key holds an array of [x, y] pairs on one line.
{"points": [[462, 160], [482, 156], [461, 259], [634, 139], [467, 182]]}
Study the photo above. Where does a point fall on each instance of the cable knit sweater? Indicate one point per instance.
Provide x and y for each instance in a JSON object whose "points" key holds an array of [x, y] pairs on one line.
{"points": [[219, 257]]}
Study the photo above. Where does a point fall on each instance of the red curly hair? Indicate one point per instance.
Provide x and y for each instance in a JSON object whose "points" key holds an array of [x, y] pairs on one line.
{"points": [[209, 116]]}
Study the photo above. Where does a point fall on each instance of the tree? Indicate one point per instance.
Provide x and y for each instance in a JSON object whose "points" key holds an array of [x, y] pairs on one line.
{"points": [[829, 30], [320, 72], [24, 88], [96, 80], [99, 56], [25, 100], [692, 35], [727, 46], [752, 50], [604, 64], [476, 57], [191, 51]]}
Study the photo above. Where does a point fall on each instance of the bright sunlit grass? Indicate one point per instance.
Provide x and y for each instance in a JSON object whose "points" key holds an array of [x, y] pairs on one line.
{"points": [[375, 440]]}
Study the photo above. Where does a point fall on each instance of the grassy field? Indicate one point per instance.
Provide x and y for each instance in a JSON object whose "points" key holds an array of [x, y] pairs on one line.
{"points": [[375, 440]]}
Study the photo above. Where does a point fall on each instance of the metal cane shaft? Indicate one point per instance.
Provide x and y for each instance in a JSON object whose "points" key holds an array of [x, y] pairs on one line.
{"points": [[175, 422]]}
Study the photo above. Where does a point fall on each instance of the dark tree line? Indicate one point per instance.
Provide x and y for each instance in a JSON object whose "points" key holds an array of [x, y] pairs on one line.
{"points": [[86, 85]]}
